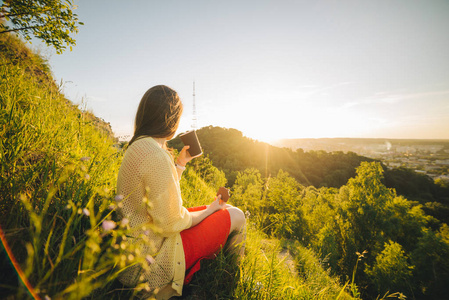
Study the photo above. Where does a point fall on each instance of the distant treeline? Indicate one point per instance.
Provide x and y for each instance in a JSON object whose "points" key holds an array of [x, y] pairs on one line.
{"points": [[232, 153], [364, 142]]}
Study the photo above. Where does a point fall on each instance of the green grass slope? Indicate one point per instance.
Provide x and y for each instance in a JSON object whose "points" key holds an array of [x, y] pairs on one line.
{"points": [[58, 171], [57, 193]]}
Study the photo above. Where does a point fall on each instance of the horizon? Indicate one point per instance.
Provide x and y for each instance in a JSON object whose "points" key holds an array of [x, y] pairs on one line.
{"points": [[279, 70], [323, 138], [371, 138]]}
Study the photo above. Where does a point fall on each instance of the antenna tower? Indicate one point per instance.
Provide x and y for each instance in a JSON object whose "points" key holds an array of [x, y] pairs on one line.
{"points": [[194, 118]]}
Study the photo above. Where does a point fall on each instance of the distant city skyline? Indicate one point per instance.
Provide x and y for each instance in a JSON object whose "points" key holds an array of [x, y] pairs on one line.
{"points": [[271, 69]]}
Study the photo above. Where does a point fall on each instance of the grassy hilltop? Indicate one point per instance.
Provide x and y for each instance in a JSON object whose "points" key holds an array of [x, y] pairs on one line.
{"points": [[57, 196], [320, 225]]}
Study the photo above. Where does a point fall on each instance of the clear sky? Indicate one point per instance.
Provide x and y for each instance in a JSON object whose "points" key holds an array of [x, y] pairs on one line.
{"points": [[271, 69]]}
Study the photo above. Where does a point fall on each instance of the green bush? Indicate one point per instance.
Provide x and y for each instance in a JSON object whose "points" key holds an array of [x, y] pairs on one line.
{"points": [[392, 270]]}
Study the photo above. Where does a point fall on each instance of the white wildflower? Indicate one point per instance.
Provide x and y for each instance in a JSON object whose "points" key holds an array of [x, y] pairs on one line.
{"points": [[86, 212], [119, 198], [108, 225], [124, 221]]}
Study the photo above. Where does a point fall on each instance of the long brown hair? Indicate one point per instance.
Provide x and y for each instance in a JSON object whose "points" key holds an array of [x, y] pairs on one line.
{"points": [[158, 114]]}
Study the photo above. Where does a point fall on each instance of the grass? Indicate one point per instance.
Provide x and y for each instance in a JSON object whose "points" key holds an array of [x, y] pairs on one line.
{"points": [[57, 192], [58, 178]]}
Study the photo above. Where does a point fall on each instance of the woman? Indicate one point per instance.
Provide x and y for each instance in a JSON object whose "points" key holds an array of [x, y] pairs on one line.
{"points": [[174, 239]]}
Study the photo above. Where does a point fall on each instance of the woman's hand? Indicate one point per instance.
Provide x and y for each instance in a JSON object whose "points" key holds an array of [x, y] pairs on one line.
{"points": [[217, 204], [199, 216], [184, 156]]}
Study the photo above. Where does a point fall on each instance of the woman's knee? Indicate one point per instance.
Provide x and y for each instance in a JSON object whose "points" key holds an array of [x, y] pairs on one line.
{"points": [[237, 218]]}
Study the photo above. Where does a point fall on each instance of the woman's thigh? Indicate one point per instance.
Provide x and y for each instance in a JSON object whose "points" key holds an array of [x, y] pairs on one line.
{"points": [[207, 238]]}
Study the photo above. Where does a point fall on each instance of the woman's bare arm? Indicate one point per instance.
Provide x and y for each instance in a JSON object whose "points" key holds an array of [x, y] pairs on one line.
{"points": [[199, 216]]}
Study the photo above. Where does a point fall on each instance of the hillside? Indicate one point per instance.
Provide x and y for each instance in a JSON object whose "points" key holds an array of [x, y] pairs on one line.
{"points": [[58, 169], [355, 238], [230, 151], [57, 207], [233, 153], [405, 241]]}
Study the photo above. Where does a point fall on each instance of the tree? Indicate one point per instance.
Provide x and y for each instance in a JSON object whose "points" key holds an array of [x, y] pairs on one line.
{"points": [[391, 270], [432, 266], [248, 190], [283, 206], [52, 21]]}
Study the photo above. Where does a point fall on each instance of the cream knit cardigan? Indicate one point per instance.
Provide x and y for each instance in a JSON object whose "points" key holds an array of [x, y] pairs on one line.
{"points": [[149, 182]]}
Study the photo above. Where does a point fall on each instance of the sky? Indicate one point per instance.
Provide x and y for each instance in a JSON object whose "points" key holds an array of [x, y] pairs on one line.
{"points": [[271, 69]]}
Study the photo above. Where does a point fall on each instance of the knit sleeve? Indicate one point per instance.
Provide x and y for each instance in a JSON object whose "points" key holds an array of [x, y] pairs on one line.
{"points": [[166, 210]]}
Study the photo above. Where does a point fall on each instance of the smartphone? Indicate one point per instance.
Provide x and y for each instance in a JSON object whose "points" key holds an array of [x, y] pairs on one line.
{"points": [[224, 192]]}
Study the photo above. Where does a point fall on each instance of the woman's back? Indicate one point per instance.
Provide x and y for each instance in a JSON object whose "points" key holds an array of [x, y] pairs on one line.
{"points": [[152, 203]]}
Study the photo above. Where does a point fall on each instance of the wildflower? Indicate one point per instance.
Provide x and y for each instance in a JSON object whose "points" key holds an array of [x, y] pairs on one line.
{"points": [[361, 255], [46, 296], [108, 225], [124, 222], [87, 176], [119, 198], [150, 259], [85, 158], [86, 212], [258, 286]]}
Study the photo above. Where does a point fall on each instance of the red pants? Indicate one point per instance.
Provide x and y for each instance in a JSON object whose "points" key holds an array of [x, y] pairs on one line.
{"points": [[204, 240]]}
